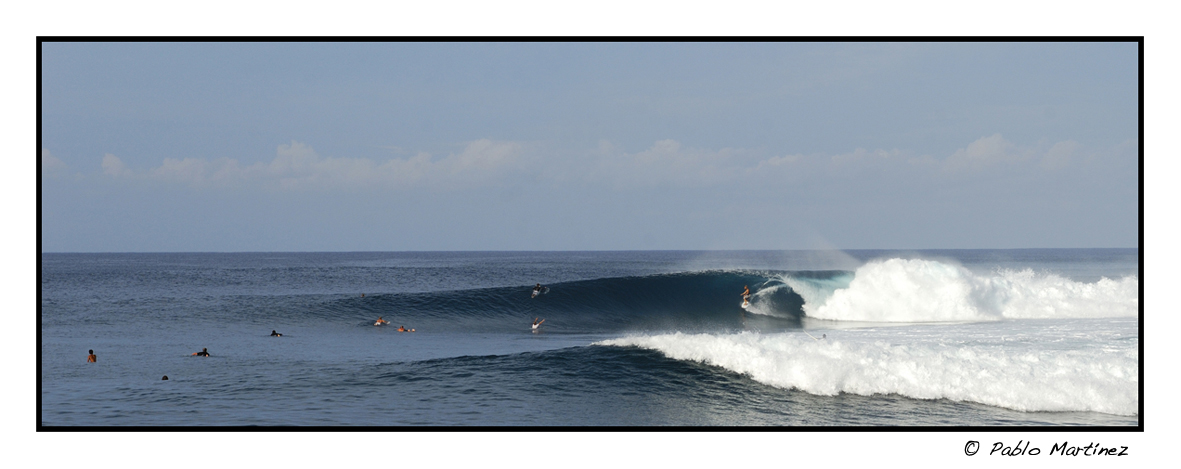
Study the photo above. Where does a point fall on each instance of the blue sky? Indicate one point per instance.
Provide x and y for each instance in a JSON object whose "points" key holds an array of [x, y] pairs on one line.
{"points": [[570, 146]]}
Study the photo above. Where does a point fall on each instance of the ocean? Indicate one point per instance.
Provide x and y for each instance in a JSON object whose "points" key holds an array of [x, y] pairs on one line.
{"points": [[847, 339]]}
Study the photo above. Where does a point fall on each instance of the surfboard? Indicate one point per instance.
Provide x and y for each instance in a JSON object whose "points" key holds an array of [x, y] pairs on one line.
{"points": [[745, 305]]}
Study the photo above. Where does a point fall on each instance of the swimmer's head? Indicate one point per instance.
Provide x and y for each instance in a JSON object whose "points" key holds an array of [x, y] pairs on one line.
{"points": [[91, 352]]}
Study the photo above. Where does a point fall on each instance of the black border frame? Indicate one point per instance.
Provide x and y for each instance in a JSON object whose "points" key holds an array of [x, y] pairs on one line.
{"points": [[1139, 40]]}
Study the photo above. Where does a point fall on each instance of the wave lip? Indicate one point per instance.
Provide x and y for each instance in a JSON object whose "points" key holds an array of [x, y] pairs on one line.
{"points": [[917, 290], [1024, 379]]}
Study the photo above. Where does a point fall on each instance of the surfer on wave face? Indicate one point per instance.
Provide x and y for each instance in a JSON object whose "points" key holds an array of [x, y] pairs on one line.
{"points": [[745, 295], [536, 290], [537, 323]]}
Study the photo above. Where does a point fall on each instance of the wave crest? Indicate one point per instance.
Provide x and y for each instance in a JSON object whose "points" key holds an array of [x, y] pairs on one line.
{"points": [[917, 290]]}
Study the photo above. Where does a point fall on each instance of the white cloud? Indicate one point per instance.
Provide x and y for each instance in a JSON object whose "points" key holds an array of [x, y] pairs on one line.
{"points": [[188, 170], [1062, 154], [50, 163], [996, 152], [295, 158], [985, 152], [297, 166], [483, 155], [667, 163], [778, 161], [113, 166]]}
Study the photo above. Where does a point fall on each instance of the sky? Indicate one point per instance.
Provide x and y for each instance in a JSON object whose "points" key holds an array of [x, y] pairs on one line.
{"points": [[408, 146]]}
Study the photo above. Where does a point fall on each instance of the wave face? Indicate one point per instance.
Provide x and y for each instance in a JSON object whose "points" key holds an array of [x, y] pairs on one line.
{"points": [[1020, 372], [917, 290], [683, 301], [891, 290]]}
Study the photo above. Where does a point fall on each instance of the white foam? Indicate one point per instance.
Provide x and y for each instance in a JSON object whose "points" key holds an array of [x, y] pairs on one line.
{"points": [[1026, 372], [759, 305], [918, 290], [816, 292]]}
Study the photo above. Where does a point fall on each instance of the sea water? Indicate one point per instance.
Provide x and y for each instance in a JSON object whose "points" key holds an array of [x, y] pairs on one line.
{"points": [[856, 338]]}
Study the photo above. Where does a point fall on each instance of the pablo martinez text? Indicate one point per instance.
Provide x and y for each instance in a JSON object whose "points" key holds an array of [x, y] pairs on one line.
{"points": [[1024, 448]]}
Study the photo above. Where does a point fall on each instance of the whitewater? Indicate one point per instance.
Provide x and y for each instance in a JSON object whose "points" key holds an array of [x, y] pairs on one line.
{"points": [[1012, 338]]}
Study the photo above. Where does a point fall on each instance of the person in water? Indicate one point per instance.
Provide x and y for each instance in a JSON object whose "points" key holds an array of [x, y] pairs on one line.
{"points": [[537, 323], [404, 329], [275, 334], [91, 358], [380, 321], [745, 294], [203, 353], [537, 289]]}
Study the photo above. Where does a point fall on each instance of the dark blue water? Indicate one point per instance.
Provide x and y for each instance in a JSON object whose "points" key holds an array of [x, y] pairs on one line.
{"points": [[474, 360]]}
